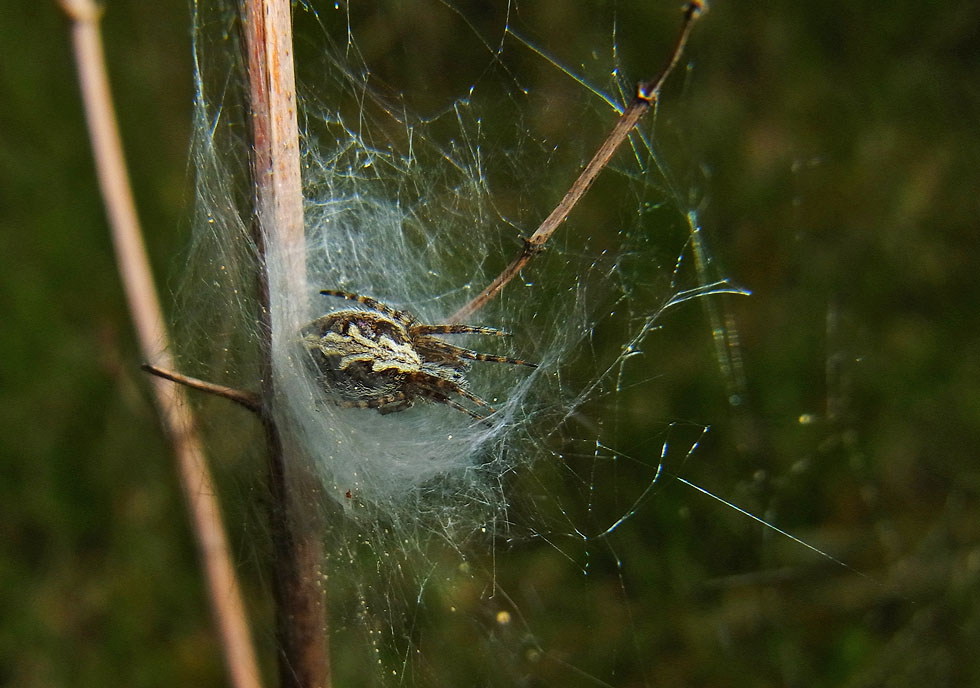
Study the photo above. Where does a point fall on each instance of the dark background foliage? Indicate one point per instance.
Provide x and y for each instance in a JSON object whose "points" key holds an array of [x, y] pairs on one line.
{"points": [[837, 149]]}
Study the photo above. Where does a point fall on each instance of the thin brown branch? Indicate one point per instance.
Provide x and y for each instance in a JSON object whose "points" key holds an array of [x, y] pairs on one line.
{"points": [[647, 94], [300, 597], [144, 307], [250, 401]]}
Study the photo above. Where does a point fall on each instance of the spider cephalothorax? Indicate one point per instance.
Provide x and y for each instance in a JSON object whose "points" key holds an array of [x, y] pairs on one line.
{"points": [[383, 358]]}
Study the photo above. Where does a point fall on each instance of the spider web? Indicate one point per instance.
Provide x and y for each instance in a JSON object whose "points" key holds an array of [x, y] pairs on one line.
{"points": [[447, 537]]}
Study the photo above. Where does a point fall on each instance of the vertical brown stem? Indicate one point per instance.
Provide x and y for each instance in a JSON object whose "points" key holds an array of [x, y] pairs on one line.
{"points": [[301, 614]]}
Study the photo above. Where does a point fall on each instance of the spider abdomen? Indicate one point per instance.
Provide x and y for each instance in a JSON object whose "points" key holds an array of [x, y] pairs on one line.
{"points": [[354, 336]]}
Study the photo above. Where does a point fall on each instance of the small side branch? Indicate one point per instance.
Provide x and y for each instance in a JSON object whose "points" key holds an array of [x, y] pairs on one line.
{"points": [[647, 95], [250, 401]]}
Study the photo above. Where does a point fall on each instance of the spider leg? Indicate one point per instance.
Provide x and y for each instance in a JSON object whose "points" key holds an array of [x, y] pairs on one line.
{"points": [[475, 399], [400, 401], [442, 398], [451, 351], [375, 305], [385, 409], [437, 388], [391, 403], [477, 356], [419, 330]]}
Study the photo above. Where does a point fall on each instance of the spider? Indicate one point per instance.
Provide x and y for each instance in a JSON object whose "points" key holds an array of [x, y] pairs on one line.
{"points": [[384, 358]]}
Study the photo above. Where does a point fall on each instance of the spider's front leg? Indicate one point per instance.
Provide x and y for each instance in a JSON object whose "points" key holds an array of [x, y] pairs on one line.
{"points": [[393, 313]]}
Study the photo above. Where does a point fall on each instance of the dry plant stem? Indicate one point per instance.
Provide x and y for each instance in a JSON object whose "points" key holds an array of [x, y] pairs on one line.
{"points": [[296, 532], [246, 399], [134, 268], [647, 94]]}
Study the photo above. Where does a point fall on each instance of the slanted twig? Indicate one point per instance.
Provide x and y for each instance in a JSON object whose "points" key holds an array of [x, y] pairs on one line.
{"points": [[144, 307], [647, 95]]}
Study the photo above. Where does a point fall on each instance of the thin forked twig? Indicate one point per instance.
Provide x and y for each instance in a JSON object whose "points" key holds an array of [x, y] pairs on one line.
{"points": [[144, 307], [647, 94]]}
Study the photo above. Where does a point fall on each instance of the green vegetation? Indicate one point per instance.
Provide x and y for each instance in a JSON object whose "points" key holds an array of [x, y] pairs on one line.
{"points": [[840, 147]]}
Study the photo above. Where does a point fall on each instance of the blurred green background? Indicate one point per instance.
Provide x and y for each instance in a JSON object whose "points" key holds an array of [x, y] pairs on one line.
{"points": [[835, 146]]}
